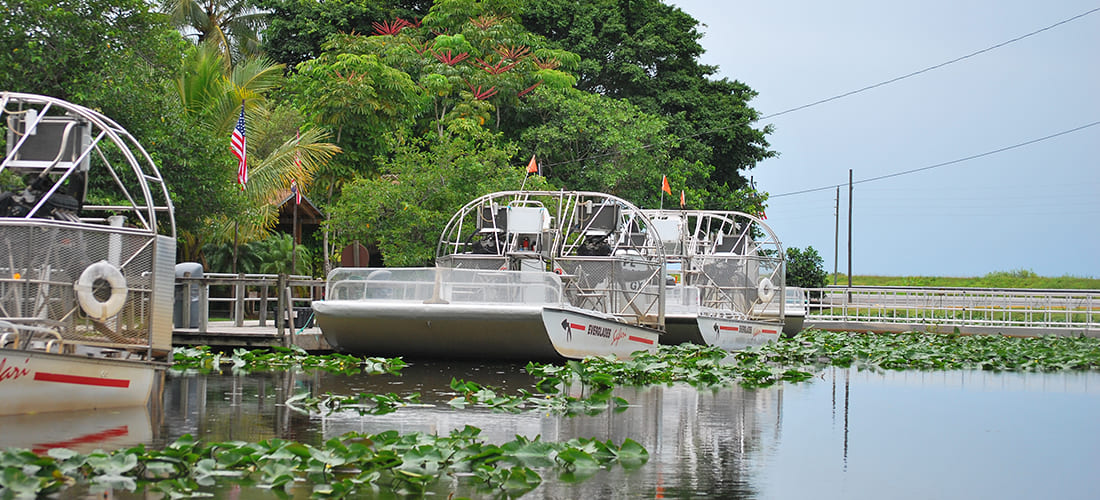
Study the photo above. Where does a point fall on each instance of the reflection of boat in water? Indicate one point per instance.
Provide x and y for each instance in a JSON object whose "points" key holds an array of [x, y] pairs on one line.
{"points": [[725, 278], [698, 440], [85, 290], [519, 275], [80, 431]]}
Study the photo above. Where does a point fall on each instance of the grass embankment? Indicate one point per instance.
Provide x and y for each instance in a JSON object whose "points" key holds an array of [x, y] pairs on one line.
{"points": [[1002, 279]]}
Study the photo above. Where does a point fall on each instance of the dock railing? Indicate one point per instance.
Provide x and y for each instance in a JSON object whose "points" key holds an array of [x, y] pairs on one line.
{"points": [[291, 294], [1064, 310]]}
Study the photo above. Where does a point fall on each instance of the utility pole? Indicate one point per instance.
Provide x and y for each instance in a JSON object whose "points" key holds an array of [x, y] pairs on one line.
{"points": [[849, 232], [836, 233]]}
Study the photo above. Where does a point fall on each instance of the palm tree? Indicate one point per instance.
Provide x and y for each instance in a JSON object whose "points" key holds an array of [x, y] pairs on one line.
{"points": [[212, 93], [232, 25]]}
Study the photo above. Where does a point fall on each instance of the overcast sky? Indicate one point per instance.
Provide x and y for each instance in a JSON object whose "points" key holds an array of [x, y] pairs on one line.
{"points": [[1036, 207]]}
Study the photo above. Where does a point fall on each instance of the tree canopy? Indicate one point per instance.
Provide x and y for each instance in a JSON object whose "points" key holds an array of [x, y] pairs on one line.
{"points": [[392, 114]]}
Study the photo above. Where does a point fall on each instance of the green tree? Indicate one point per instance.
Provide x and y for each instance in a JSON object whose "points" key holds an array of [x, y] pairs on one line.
{"points": [[648, 52], [594, 143], [297, 30], [231, 25], [279, 148], [425, 182], [805, 268]]}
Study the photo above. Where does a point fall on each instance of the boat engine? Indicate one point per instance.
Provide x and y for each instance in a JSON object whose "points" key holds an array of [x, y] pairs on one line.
{"points": [[59, 206]]}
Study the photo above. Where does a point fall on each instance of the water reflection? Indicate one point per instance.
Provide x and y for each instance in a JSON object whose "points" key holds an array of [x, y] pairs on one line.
{"points": [[844, 434]]}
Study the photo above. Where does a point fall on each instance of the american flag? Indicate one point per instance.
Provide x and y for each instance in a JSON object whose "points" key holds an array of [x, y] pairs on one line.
{"points": [[297, 192], [239, 149]]}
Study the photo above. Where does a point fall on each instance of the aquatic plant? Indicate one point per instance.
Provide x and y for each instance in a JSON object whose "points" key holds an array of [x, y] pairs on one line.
{"points": [[204, 360], [793, 359], [470, 394], [364, 403], [928, 351], [407, 464], [698, 365]]}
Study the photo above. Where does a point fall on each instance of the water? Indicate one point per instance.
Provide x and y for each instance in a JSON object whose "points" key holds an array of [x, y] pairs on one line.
{"points": [[844, 434]]}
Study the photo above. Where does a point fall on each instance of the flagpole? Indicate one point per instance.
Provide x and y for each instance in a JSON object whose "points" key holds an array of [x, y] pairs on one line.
{"points": [[294, 241]]}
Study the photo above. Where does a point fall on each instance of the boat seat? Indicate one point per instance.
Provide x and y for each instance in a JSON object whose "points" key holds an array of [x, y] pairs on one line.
{"points": [[592, 300]]}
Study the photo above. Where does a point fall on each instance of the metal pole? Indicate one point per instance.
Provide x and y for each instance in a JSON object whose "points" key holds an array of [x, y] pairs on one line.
{"points": [[849, 234], [294, 242], [836, 234]]}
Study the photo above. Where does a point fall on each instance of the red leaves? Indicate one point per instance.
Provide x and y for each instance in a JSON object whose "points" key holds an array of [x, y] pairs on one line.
{"points": [[388, 28], [528, 89], [495, 69], [421, 48], [480, 94], [449, 58], [514, 53], [486, 22], [547, 63]]}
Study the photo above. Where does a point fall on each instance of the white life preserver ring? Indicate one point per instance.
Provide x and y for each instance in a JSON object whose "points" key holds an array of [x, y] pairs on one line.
{"points": [[766, 289], [97, 309]]}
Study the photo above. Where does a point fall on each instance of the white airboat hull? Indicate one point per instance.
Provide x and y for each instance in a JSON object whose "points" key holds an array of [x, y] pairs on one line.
{"points": [[34, 381], [418, 330], [475, 331], [577, 333], [735, 335]]}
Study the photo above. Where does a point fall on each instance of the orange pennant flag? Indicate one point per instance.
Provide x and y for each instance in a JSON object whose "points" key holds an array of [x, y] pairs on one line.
{"points": [[682, 199], [532, 167], [664, 185]]}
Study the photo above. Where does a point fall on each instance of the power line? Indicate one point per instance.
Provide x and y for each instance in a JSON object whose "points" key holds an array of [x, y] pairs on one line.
{"points": [[930, 68], [835, 97], [944, 164]]}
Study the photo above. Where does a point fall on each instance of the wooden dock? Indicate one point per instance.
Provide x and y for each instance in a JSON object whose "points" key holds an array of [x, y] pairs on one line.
{"points": [[250, 335]]}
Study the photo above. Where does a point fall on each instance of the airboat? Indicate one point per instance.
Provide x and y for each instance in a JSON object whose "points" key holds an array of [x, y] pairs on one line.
{"points": [[521, 275], [87, 255], [726, 278]]}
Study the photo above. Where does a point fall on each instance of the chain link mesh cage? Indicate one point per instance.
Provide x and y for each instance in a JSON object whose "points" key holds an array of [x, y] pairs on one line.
{"points": [[41, 263]]}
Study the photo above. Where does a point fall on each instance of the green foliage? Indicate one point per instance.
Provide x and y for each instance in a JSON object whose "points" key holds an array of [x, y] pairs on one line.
{"points": [[293, 358], [419, 189], [271, 255], [296, 29], [702, 366], [648, 52], [230, 25], [626, 150], [343, 467], [1017, 274], [805, 268], [1010, 279], [929, 351]]}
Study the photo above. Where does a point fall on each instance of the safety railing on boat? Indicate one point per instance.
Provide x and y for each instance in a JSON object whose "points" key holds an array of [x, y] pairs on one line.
{"points": [[985, 307], [248, 295], [445, 285]]}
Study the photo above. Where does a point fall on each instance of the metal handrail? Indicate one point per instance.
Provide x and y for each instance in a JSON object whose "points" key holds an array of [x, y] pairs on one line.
{"points": [[987, 307]]}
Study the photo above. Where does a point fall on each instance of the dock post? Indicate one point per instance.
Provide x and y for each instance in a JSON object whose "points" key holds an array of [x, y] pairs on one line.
{"points": [[204, 307], [263, 305], [238, 303], [283, 308]]}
